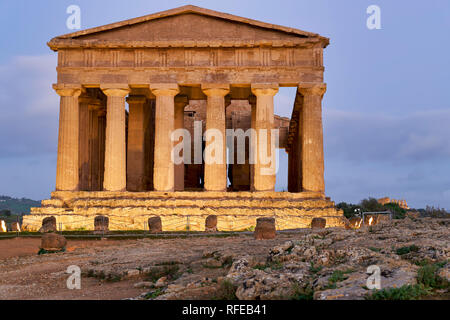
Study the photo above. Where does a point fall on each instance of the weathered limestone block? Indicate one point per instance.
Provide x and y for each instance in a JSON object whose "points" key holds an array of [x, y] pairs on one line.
{"points": [[318, 223], [3, 226], [211, 223], [154, 225], [48, 225], [53, 242], [101, 224], [15, 227], [265, 229]]}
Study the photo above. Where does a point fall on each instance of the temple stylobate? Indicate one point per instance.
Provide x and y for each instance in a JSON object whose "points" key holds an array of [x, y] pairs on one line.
{"points": [[126, 87]]}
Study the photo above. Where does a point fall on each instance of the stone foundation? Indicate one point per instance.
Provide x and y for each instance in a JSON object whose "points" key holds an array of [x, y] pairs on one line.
{"points": [[181, 211]]}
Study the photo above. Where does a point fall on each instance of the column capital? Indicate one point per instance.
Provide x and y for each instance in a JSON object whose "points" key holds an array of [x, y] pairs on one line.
{"points": [[264, 89], [136, 99], [65, 90], [215, 89], [164, 89], [115, 90], [312, 88]]}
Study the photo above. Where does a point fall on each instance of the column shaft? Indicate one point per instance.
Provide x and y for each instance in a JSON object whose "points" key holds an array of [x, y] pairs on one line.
{"points": [[115, 152], [163, 170], [137, 122], [180, 104], [264, 173], [101, 147], [252, 143], [83, 157], [215, 171], [94, 184], [311, 138], [67, 174]]}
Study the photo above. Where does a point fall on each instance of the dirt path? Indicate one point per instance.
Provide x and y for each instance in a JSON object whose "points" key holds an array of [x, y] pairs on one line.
{"points": [[25, 275]]}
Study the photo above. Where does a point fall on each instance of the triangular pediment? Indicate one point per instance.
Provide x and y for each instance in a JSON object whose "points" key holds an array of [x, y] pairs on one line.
{"points": [[190, 23]]}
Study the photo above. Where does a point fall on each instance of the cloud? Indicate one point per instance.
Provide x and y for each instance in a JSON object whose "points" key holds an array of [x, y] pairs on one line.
{"points": [[403, 157], [383, 138], [30, 107]]}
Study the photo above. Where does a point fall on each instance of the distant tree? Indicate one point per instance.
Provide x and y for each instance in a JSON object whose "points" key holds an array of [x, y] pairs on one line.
{"points": [[397, 211], [5, 212], [348, 208], [371, 205], [436, 212]]}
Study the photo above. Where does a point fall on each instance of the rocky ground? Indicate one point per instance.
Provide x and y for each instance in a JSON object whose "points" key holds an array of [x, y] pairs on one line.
{"points": [[412, 257]]}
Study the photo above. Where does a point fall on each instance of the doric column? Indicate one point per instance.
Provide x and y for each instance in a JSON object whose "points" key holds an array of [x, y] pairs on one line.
{"points": [[311, 137], [294, 174], [163, 166], [101, 146], [252, 142], [115, 153], [83, 146], [137, 122], [215, 171], [180, 103], [264, 169], [94, 149], [67, 174]]}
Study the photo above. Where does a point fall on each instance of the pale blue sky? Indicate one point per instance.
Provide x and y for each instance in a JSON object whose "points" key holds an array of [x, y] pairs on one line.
{"points": [[386, 112]]}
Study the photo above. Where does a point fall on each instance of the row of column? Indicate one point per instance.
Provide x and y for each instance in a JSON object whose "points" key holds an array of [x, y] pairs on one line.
{"points": [[168, 116]]}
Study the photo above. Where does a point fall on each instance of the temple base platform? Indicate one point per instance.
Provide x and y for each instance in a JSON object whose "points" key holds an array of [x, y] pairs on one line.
{"points": [[182, 211]]}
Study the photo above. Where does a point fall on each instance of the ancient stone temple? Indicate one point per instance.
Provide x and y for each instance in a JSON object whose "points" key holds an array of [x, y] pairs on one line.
{"points": [[125, 88]]}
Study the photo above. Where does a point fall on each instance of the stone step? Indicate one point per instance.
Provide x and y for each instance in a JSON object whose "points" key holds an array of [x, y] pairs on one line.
{"points": [[68, 196], [227, 221], [197, 203], [184, 211]]}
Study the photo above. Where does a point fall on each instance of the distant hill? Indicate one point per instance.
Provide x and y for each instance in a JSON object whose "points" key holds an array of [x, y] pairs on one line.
{"points": [[17, 206]]}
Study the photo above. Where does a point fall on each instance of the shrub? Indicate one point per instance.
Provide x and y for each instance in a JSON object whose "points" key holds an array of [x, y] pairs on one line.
{"points": [[226, 291], [406, 292], [428, 276], [404, 250], [314, 269], [154, 294], [337, 276], [300, 293]]}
